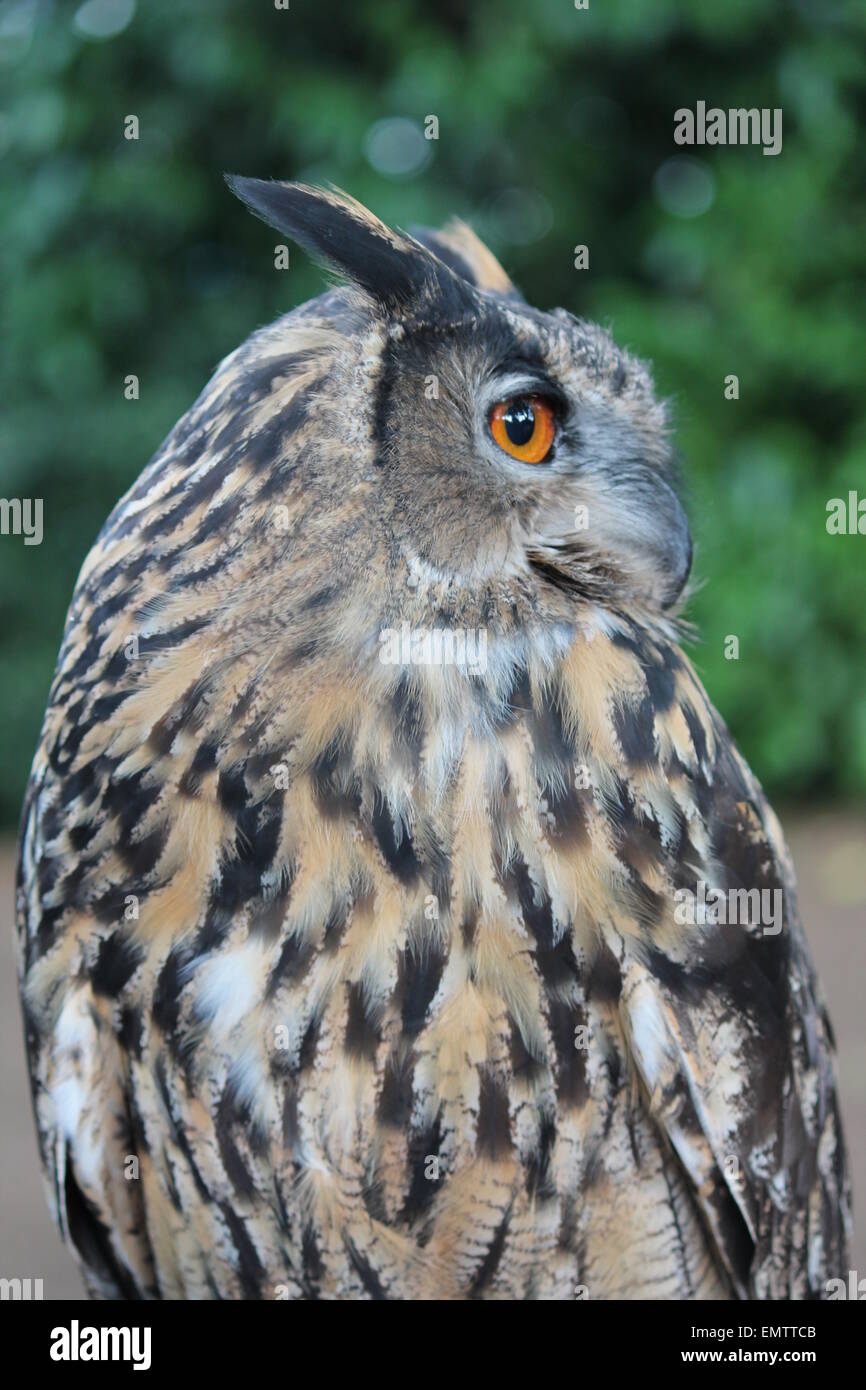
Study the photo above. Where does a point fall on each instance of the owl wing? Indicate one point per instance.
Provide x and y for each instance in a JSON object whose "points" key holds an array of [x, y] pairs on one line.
{"points": [[77, 1078], [724, 1020], [105, 828]]}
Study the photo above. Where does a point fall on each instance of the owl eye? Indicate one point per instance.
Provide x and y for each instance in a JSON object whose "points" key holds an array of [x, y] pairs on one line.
{"points": [[524, 426]]}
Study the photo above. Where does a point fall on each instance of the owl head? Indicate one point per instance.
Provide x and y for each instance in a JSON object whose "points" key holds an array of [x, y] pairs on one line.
{"points": [[510, 461]]}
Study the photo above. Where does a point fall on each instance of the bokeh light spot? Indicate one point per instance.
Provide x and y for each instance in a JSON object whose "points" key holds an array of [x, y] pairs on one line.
{"points": [[397, 148], [684, 187], [103, 19]]}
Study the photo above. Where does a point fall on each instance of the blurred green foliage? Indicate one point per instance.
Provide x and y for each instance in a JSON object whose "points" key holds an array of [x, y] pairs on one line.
{"points": [[122, 256]]}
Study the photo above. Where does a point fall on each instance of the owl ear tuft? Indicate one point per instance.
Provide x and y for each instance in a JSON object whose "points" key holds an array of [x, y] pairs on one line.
{"points": [[458, 246], [336, 229]]}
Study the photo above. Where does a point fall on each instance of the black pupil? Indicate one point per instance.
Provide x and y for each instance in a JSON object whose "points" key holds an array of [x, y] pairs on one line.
{"points": [[519, 421]]}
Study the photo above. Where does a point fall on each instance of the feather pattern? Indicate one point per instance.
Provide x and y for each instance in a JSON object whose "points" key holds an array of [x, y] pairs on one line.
{"points": [[349, 978]]}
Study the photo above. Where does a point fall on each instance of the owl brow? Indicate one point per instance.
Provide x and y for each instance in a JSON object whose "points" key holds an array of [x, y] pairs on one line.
{"points": [[530, 364], [529, 358]]}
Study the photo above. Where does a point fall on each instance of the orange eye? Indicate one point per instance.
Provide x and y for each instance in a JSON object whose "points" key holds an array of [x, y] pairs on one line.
{"points": [[523, 426]]}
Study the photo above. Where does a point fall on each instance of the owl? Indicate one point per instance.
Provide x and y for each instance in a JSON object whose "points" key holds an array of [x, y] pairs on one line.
{"points": [[397, 917]]}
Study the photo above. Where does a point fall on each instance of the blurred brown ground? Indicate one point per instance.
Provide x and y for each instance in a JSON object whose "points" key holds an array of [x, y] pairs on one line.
{"points": [[830, 855]]}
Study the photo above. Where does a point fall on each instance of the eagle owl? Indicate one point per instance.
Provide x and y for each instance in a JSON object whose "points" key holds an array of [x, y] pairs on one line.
{"points": [[356, 948]]}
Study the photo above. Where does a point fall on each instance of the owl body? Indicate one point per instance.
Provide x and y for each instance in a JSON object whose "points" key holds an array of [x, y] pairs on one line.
{"points": [[372, 789]]}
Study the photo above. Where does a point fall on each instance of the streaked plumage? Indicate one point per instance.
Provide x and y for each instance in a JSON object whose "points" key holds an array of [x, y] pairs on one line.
{"points": [[300, 929]]}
